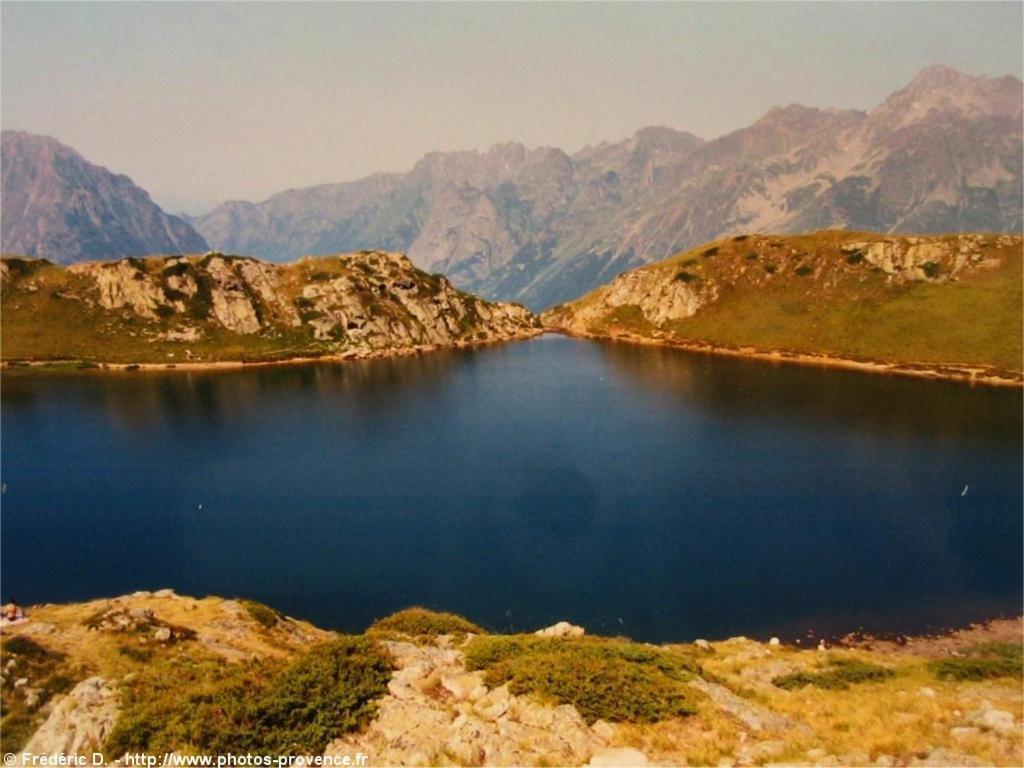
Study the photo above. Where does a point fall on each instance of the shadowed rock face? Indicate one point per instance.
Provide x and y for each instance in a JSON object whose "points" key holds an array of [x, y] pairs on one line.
{"points": [[59, 206], [542, 226]]}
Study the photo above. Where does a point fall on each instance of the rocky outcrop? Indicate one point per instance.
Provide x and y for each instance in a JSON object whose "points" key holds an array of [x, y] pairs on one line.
{"points": [[60, 207], [369, 302], [828, 296], [436, 712], [79, 723]]}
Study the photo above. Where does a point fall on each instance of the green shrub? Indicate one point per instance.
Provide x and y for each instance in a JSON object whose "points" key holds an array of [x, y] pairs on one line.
{"points": [[984, 661], [931, 269], [319, 276], [840, 675], [262, 614], [688, 262], [419, 622], [739, 238], [259, 707], [712, 251], [769, 268], [855, 258], [685, 277], [613, 680], [752, 256], [803, 271]]}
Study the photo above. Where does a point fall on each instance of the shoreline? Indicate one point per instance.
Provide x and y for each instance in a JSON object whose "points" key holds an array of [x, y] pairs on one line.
{"points": [[77, 364], [927, 644], [959, 373]]}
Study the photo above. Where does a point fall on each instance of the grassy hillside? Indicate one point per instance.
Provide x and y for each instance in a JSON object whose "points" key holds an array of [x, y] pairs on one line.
{"points": [[156, 672], [213, 308], [953, 299]]}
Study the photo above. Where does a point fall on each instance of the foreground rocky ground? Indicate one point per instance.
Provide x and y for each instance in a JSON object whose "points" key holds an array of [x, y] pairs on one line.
{"points": [[160, 672]]}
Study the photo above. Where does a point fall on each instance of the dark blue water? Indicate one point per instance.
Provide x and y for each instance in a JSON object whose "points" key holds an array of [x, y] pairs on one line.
{"points": [[636, 491]]}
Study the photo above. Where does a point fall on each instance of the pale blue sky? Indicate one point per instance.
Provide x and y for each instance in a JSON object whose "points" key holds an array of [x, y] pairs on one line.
{"points": [[211, 101]]}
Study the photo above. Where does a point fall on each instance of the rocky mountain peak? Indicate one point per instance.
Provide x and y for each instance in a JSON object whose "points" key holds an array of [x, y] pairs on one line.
{"points": [[59, 206], [942, 90]]}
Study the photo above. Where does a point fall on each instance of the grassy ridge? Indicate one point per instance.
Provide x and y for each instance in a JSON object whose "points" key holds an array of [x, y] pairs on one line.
{"points": [[806, 294]]}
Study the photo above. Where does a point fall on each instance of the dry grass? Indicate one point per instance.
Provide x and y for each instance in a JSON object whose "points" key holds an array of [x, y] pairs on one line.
{"points": [[804, 294]]}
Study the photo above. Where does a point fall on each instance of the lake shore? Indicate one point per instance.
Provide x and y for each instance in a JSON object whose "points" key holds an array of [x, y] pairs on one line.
{"points": [[227, 365], [965, 374]]}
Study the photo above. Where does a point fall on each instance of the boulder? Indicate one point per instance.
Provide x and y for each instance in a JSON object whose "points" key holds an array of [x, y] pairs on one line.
{"points": [[561, 629], [619, 757]]}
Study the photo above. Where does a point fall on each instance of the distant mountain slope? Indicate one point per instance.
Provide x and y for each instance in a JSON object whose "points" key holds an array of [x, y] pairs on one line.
{"points": [[59, 206], [895, 300], [943, 154]]}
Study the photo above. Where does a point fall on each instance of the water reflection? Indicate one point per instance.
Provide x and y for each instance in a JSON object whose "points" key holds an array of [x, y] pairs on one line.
{"points": [[848, 400], [140, 401], [634, 490]]}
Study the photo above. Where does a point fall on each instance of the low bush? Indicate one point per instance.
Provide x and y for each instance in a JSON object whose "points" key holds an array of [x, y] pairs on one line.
{"points": [[983, 662], [803, 271], [931, 269], [685, 277], [712, 251], [613, 680], [855, 258], [263, 707], [262, 614], [840, 675], [420, 622]]}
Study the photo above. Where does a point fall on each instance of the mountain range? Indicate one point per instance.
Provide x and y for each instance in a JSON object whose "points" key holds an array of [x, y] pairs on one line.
{"points": [[542, 226], [59, 206]]}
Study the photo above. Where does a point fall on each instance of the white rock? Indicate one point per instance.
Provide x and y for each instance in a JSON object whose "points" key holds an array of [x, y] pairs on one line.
{"points": [[703, 644], [964, 732], [928, 693], [775, 642], [992, 719], [465, 687], [79, 723], [561, 629], [619, 757]]}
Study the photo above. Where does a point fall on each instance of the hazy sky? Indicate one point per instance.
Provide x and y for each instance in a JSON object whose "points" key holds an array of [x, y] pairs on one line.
{"points": [[201, 102]]}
